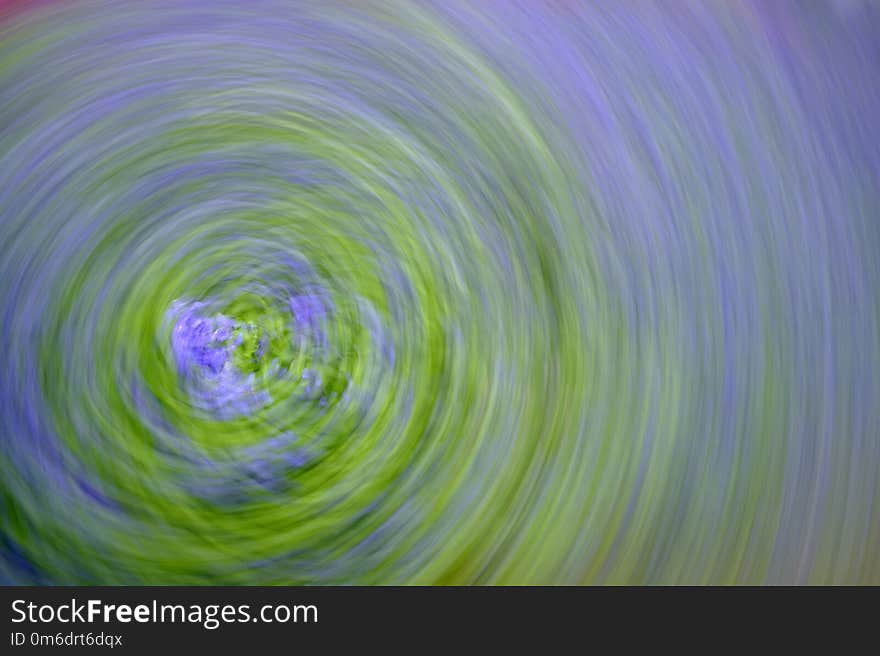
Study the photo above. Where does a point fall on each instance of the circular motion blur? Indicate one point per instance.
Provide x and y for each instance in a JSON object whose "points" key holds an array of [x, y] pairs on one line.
{"points": [[439, 293]]}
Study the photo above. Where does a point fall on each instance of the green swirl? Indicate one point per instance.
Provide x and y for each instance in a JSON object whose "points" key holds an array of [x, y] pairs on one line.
{"points": [[395, 293]]}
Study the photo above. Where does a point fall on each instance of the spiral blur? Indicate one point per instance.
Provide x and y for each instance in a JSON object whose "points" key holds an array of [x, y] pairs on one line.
{"points": [[392, 292]]}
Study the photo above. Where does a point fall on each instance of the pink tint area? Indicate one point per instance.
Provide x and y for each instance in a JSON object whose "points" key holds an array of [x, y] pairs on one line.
{"points": [[9, 9]]}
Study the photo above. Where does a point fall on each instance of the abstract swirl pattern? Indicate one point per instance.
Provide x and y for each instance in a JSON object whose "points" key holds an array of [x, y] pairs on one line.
{"points": [[439, 293]]}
